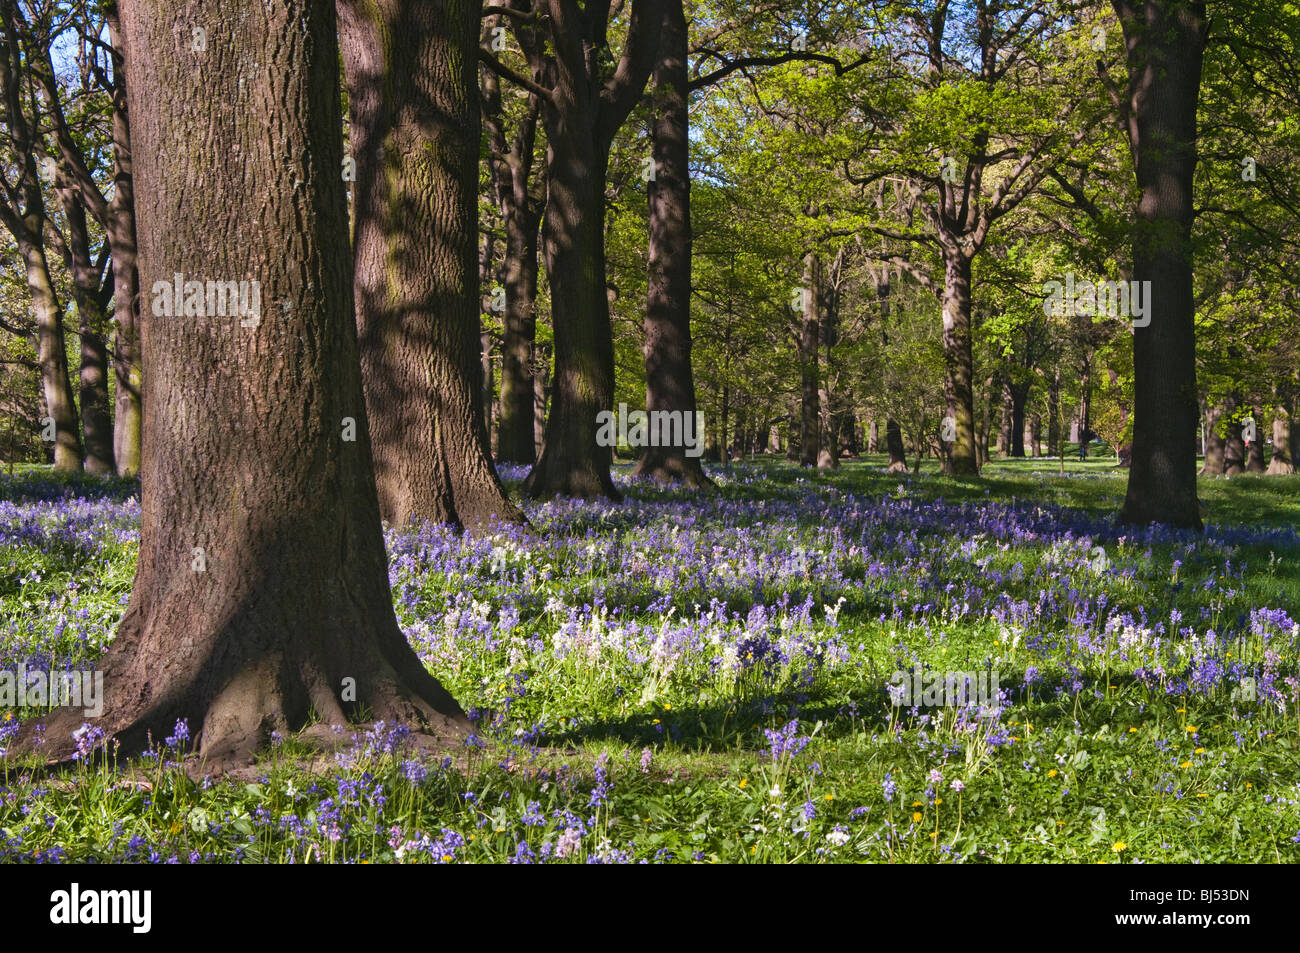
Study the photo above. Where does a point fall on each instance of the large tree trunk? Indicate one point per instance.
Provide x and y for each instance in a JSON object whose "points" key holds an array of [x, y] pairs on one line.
{"points": [[411, 70], [1165, 40], [261, 592], [959, 369], [810, 391], [1281, 461], [894, 446], [573, 463], [588, 100], [670, 383]]}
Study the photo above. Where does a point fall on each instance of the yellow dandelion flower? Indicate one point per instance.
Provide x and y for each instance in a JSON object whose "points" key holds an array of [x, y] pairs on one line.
{"points": [[1118, 846], [916, 804], [1186, 764], [916, 817], [938, 800], [830, 797], [1199, 751], [1202, 795], [1132, 731], [1052, 773], [744, 781], [1249, 785], [1191, 729]]}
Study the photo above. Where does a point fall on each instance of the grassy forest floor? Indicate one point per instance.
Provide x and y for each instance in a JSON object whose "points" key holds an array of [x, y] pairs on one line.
{"points": [[680, 678]]}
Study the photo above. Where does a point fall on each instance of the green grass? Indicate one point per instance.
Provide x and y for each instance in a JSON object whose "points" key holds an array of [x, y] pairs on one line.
{"points": [[1109, 770]]}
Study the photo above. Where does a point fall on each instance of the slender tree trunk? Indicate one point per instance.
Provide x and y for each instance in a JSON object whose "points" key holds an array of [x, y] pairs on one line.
{"points": [[810, 390], [261, 593], [670, 384], [1085, 408], [1019, 394], [959, 367], [1124, 451], [1004, 430], [873, 437], [51, 354], [1165, 40], [1036, 435], [1255, 448], [522, 215], [1215, 444], [411, 70], [541, 395], [1234, 447], [1054, 442], [128, 370], [96, 409]]}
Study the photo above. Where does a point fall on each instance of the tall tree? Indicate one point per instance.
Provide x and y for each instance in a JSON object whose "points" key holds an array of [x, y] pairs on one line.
{"points": [[586, 96], [670, 383], [412, 93], [103, 72], [1165, 40], [261, 593], [521, 196], [92, 287], [23, 213]]}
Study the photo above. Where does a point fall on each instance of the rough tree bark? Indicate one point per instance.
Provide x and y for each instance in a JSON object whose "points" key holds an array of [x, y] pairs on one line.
{"points": [[1215, 443], [119, 225], [412, 92], [91, 294], [585, 99], [1281, 461], [521, 196], [1019, 394], [670, 383], [261, 589], [962, 458], [1165, 41]]}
